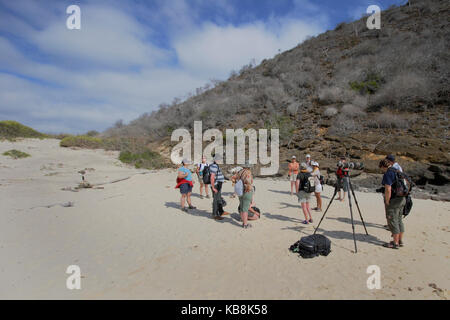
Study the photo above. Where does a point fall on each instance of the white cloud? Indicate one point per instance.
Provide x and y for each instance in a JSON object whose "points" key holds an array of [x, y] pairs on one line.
{"points": [[77, 80], [217, 50]]}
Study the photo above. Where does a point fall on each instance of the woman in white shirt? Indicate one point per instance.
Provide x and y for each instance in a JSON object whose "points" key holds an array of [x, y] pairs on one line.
{"points": [[318, 186], [200, 168]]}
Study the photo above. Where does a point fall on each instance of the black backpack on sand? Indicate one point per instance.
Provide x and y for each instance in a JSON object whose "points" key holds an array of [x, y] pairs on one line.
{"points": [[312, 246]]}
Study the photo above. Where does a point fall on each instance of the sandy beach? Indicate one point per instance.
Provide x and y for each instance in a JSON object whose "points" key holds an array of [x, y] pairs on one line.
{"points": [[131, 240]]}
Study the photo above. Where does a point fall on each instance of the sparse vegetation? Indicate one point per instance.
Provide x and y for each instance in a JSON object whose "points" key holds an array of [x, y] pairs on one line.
{"points": [[146, 159], [16, 154], [10, 130], [82, 142]]}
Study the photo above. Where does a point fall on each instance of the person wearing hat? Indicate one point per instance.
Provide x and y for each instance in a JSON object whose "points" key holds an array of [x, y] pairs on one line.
{"points": [[317, 185], [185, 183], [308, 163], [395, 165], [200, 167], [217, 179], [244, 180], [293, 172], [303, 197]]}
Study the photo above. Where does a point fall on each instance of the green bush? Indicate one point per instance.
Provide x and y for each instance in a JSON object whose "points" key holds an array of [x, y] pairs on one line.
{"points": [[12, 129], [147, 159], [82, 142], [370, 85], [16, 154]]}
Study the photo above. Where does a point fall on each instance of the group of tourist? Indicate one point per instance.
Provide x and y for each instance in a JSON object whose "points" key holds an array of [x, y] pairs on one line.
{"points": [[305, 178]]}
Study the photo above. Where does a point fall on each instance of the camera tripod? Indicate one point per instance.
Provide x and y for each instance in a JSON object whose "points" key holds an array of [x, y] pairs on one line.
{"points": [[349, 188]]}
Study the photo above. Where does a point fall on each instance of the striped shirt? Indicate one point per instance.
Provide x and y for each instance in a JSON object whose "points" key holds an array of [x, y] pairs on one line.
{"points": [[214, 168]]}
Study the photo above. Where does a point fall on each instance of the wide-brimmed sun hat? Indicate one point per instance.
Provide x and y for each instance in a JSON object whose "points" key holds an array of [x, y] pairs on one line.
{"points": [[186, 161]]}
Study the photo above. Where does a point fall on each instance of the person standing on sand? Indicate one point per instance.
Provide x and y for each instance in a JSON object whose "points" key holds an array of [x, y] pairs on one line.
{"points": [[341, 185], [393, 205], [246, 199], [200, 167], [293, 172], [303, 197], [217, 179], [185, 183], [317, 185]]}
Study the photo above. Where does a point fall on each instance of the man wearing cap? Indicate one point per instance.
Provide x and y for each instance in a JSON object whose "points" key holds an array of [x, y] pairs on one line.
{"points": [[185, 183], [308, 163], [293, 172], [395, 165], [217, 179]]}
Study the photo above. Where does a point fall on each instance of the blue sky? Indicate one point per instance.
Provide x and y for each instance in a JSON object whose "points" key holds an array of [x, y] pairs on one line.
{"points": [[132, 55]]}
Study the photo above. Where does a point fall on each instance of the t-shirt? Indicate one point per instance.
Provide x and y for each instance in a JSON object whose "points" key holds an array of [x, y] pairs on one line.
{"points": [[293, 167], [303, 176], [388, 177], [214, 168], [397, 167], [316, 175], [186, 170]]}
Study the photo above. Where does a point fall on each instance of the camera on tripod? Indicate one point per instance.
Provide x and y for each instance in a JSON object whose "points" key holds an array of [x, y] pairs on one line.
{"points": [[346, 166]]}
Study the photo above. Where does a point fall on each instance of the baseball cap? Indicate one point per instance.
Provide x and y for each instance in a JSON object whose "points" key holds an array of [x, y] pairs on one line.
{"points": [[186, 161], [308, 156], [391, 158], [294, 157], [315, 164]]}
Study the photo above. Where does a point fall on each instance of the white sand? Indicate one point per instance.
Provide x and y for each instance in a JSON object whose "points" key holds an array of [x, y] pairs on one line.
{"points": [[131, 240]]}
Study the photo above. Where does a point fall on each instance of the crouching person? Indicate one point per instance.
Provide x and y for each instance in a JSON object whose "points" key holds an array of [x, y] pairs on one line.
{"points": [[393, 205]]}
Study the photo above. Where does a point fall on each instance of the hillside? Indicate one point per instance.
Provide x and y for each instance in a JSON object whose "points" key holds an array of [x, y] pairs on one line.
{"points": [[11, 130], [350, 91]]}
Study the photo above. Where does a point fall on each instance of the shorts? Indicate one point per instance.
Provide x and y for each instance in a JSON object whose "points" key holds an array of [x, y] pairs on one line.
{"points": [[394, 215], [318, 188], [185, 188], [245, 201], [293, 177], [303, 197], [200, 179], [342, 185]]}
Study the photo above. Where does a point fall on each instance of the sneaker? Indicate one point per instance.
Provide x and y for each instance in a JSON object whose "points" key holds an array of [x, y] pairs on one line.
{"points": [[207, 197], [246, 226], [310, 220], [218, 218], [201, 196], [184, 209], [224, 213], [192, 207]]}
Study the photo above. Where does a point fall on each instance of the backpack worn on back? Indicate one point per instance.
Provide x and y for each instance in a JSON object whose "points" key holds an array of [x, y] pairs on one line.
{"points": [[308, 184], [312, 246], [206, 175], [402, 184]]}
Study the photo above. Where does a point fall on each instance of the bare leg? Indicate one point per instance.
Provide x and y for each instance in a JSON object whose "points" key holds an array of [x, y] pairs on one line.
{"points": [[244, 217], [293, 187], [308, 210], [183, 198], [305, 211], [201, 190], [189, 199], [319, 201]]}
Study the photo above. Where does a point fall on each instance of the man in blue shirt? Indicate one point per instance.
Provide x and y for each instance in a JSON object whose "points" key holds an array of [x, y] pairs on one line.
{"points": [[393, 205]]}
